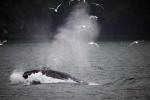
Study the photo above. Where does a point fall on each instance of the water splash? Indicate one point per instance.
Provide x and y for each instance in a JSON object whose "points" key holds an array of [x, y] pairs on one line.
{"points": [[16, 77]]}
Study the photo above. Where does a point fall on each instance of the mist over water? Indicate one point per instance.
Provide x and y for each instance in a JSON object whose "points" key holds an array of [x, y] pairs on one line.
{"points": [[70, 46], [69, 51]]}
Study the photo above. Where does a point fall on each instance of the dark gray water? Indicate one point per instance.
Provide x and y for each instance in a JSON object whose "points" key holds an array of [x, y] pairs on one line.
{"points": [[122, 72]]}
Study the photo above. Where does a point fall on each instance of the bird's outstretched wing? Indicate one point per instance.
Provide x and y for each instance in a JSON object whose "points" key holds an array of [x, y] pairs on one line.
{"points": [[51, 8], [58, 6]]}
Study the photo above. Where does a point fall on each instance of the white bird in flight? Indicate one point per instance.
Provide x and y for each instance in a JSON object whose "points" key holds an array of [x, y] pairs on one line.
{"points": [[93, 17], [82, 26], [55, 9], [98, 5], [93, 43], [135, 42], [2, 43]]}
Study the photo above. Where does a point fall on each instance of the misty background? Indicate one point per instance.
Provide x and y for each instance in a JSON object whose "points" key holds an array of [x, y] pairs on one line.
{"points": [[32, 20]]}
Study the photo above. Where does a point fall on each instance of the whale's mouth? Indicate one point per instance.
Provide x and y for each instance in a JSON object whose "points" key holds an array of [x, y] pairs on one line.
{"points": [[39, 78], [44, 77]]}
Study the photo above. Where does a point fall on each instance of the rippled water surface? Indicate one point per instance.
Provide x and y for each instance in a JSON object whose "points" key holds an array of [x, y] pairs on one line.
{"points": [[122, 72]]}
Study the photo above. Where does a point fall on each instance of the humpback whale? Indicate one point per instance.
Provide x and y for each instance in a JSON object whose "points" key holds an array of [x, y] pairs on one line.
{"points": [[50, 74]]}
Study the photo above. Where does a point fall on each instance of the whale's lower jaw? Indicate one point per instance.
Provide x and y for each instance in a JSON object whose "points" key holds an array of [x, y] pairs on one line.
{"points": [[49, 81], [35, 82]]}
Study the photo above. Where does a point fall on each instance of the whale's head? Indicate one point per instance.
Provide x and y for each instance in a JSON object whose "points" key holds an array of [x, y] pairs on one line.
{"points": [[28, 73]]}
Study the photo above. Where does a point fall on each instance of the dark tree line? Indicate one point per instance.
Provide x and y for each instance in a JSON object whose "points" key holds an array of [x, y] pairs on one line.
{"points": [[32, 18]]}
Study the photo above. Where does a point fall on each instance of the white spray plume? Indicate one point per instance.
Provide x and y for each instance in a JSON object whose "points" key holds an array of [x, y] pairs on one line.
{"points": [[16, 77], [70, 46]]}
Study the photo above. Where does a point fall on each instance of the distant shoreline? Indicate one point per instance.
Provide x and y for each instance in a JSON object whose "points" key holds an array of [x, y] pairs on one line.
{"points": [[103, 39]]}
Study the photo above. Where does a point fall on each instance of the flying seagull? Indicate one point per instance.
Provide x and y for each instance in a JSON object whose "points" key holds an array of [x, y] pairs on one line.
{"points": [[2, 43], [135, 42], [93, 17], [93, 43], [55, 9], [82, 26], [98, 5]]}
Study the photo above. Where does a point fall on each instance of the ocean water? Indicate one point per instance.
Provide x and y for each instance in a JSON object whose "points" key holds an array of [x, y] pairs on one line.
{"points": [[122, 72]]}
